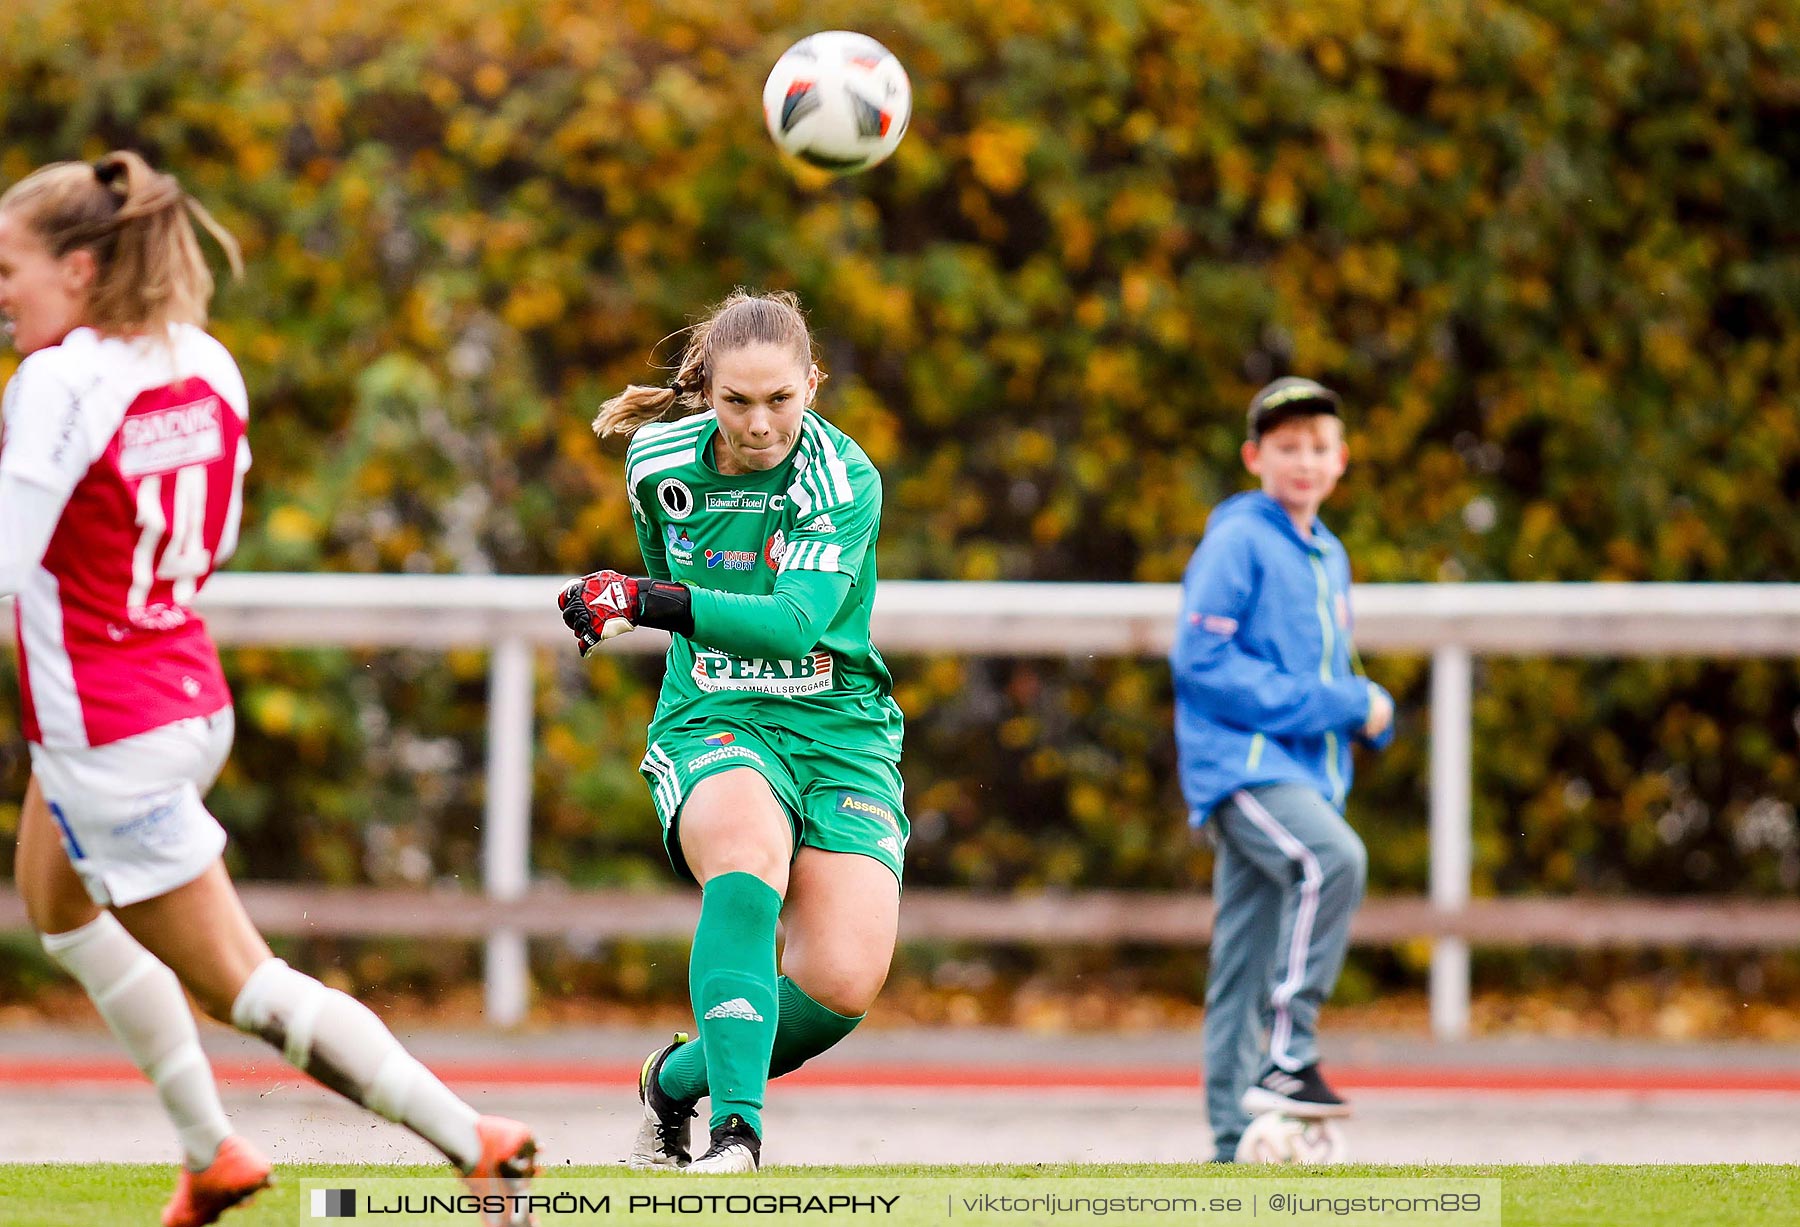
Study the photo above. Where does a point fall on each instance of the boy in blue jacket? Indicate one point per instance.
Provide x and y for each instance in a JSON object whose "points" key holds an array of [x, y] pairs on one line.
{"points": [[1267, 701]]}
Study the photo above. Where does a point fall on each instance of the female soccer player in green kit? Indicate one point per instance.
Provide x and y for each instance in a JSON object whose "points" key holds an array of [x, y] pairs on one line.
{"points": [[773, 757]]}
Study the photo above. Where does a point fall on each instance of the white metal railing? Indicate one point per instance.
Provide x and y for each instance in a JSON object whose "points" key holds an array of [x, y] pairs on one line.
{"points": [[1453, 622]]}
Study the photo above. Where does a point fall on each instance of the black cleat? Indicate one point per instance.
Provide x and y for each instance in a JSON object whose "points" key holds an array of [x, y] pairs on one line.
{"points": [[1303, 1094], [735, 1148], [665, 1138]]}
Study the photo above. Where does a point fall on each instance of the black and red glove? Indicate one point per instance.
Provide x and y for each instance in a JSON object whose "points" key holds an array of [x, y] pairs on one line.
{"points": [[605, 604]]}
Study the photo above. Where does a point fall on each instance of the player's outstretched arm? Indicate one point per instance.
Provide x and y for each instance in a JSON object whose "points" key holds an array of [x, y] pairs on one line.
{"points": [[785, 624], [604, 604]]}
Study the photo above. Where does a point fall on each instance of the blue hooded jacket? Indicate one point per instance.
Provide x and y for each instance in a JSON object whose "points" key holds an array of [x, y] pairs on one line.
{"points": [[1266, 691]]}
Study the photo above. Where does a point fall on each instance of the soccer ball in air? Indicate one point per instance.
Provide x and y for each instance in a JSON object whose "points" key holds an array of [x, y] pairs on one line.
{"points": [[1275, 1137], [838, 101]]}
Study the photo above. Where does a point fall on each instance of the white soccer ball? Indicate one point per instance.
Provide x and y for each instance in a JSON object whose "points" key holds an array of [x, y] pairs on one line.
{"points": [[838, 101], [1275, 1137]]}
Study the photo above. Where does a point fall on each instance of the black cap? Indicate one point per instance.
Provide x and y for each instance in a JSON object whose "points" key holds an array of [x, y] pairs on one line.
{"points": [[1290, 397]]}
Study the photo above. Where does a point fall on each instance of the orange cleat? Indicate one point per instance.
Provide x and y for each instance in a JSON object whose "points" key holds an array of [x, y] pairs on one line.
{"points": [[508, 1162], [238, 1171]]}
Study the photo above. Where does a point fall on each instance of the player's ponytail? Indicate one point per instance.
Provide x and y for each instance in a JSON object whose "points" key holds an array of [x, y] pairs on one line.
{"points": [[632, 408], [742, 319], [639, 404], [139, 225]]}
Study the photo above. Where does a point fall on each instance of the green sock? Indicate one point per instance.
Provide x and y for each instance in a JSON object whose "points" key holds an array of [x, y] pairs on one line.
{"points": [[731, 977], [805, 1029]]}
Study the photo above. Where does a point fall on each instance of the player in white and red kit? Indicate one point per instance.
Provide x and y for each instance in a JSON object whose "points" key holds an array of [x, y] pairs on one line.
{"points": [[125, 462], [121, 486]]}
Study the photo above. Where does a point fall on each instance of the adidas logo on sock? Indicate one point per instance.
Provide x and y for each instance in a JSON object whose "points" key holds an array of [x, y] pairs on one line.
{"points": [[737, 1007]]}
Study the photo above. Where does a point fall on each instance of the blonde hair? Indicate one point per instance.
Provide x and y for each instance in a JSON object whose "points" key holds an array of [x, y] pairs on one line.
{"points": [[149, 271], [743, 319]]}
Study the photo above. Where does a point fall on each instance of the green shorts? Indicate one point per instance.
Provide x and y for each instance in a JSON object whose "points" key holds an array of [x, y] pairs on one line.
{"points": [[838, 800]]}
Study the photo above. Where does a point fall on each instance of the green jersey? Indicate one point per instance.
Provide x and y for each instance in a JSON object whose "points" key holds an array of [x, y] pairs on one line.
{"points": [[781, 565]]}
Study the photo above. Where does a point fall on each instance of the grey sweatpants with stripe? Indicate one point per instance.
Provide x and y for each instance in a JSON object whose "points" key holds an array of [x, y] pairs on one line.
{"points": [[1288, 875]]}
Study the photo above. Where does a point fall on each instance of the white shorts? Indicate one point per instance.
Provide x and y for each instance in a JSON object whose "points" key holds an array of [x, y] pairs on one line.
{"points": [[129, 812]]}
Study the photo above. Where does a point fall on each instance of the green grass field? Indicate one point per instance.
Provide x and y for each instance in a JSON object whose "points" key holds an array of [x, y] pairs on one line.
{"points": [[102, 1195]]}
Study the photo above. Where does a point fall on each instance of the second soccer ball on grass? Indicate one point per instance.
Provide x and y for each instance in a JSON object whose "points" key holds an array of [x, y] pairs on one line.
{"points": [[1275, 1137]]}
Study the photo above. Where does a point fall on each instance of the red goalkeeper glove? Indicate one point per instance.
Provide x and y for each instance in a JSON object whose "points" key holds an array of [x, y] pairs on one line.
{"points": [[605, 604]]}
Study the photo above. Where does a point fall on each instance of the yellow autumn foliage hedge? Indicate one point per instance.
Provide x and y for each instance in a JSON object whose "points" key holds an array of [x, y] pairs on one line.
{"points": [[1546, 249]]}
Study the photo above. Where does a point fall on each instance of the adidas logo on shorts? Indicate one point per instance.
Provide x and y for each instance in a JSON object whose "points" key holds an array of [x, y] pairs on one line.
{"points": [[891, 844], [737, 1007]]}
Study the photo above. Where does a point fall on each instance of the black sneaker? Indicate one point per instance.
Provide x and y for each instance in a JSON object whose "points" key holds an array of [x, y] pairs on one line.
{"points": [[735, 1148], [1303, 1094], [665, 1137]]}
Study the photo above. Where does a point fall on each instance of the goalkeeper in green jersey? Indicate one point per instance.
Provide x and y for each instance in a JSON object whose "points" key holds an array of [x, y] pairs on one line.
{"points": [[773, 757]]}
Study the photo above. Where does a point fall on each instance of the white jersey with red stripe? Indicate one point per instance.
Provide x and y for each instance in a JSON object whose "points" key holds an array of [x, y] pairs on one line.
{"points": [[145, 440]]}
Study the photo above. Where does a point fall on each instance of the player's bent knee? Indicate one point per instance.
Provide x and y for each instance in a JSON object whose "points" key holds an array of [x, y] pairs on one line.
{"points": [[55, 900], [848, 988], [53, 910], [716, 842], [59, 915], [850, 1000], [760, 862]]}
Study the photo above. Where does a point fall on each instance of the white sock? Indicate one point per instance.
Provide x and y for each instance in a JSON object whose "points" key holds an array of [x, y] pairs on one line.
{"points": [[141, 1000], [339, 1041]]}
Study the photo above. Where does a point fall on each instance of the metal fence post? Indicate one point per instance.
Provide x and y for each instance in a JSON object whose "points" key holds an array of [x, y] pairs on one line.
{"points": [[1451, 834], [506, 829]]}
